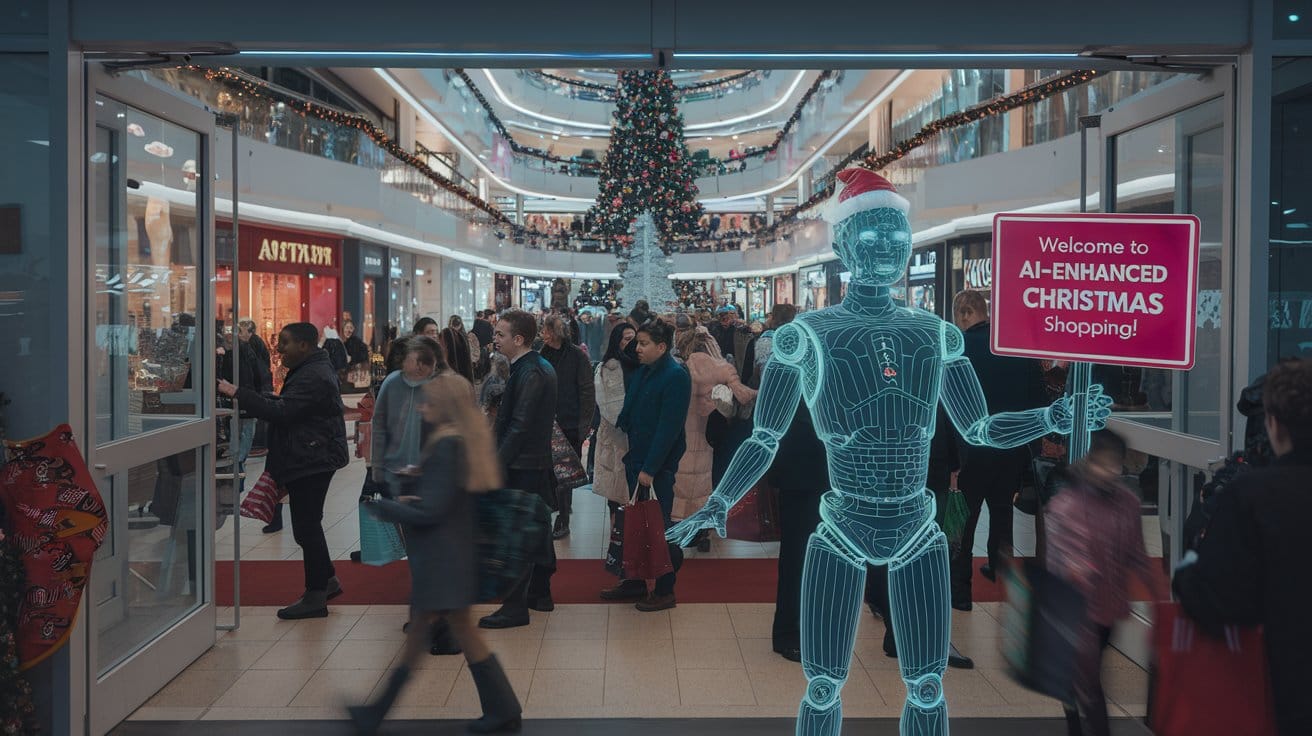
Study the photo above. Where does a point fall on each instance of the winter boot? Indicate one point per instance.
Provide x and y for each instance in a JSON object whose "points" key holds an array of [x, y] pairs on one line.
{"points": [[275, 525], [368, 718], [501, 710], [313, 604]]}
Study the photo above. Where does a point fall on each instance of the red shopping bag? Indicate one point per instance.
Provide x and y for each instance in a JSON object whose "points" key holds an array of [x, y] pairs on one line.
{"points": [[646, 553], [262, 500], [755, 518], [1205, 686]]}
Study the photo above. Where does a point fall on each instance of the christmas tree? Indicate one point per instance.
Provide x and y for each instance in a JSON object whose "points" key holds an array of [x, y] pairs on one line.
{"points": [[645, 268], [647, 167]]}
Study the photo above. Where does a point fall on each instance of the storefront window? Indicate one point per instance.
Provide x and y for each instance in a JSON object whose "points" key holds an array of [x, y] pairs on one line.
{"points": [[368, 316], [401, 270], [1290, 324], [323, 301], [26, 329]]}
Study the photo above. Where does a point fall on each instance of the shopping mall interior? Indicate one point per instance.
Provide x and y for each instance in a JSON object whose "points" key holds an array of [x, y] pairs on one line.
{"points": [[174, 171]]}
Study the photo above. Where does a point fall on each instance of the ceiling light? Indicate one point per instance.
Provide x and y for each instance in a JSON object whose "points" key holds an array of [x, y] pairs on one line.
{"points": [[709, 138], [839, 55], [735, 137], [555, 137], [1291, 210], [1293, 17], [602, 55]]}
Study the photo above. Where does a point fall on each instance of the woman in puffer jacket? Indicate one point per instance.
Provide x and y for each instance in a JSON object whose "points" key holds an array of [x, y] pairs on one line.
{"points": [[608, 479], [708, 369]]}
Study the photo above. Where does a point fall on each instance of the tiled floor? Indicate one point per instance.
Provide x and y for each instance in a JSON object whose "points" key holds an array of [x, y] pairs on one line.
{"points": [[585, 661]]}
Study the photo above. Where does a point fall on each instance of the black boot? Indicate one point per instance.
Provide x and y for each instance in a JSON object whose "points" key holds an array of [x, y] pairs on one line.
{"points": [[442, 640], [275, 525], [368, 718], [501, 711]]}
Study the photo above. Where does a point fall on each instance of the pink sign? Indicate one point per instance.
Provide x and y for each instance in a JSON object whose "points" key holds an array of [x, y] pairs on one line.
{"points": [[1102, 288]]}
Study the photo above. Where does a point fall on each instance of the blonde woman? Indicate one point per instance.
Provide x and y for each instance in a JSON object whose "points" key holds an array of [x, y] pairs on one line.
{"points": [[459, 459]]}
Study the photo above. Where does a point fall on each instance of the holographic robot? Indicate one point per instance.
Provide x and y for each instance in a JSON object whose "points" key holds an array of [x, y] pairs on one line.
{"points": [[872, 373]]}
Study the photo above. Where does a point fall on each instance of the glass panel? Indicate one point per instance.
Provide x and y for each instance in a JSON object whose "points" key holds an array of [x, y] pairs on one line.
{"points": [[154, 576], [370, 314], [1290, 332], [146, 248], [323, 302], [1175, 165], [27, 381]]}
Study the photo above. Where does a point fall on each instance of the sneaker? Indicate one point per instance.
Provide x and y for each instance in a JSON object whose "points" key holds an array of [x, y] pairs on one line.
{"points": [[653, 603], [628, 590]]}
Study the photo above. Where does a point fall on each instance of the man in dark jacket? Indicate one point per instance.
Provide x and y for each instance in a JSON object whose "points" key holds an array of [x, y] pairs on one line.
{"points": [[482, 327], [988, 475], [523, 434], [307, 444], [1250, 567], [653, 417], [576, 400]]}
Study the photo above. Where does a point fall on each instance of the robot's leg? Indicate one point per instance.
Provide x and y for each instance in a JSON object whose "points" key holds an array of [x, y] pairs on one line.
{"points": [[832, 583], [922, 622]]}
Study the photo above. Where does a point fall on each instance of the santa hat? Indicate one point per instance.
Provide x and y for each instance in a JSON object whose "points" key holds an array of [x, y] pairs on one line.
{"points": [[858, 190]]}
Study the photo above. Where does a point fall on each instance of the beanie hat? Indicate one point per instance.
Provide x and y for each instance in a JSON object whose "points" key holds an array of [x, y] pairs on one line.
{"points": [[859, 190]]}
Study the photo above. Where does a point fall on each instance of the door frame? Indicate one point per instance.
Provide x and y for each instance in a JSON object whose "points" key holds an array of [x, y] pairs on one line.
{"points": [[113, 696]]}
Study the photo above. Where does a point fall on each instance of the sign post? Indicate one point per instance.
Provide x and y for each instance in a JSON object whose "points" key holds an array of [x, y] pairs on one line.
{"points": [[1095, 288], [1081, 372]]}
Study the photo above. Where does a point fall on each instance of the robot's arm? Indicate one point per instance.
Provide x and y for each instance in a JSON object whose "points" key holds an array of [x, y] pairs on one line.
{"points": [[964, 400]]}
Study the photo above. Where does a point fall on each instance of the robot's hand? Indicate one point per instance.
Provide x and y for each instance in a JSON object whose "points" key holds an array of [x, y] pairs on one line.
{"points": [[711, 516], [1061, 413]]}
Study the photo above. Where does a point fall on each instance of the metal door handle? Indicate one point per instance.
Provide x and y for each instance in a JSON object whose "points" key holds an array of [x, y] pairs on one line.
{"points": [[99, 466], [229, 476]]}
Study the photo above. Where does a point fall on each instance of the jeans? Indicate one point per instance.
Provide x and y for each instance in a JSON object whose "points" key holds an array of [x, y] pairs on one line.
{"points": [[663, 487], [536, 583], [247, 440], [799, 515], [565, 496], [1090, 701], [306, 496]]}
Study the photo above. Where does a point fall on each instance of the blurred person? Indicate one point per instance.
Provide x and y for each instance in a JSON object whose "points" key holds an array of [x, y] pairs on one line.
{"points": [[357, 355], [253, 371], [1095, 542], [439, 521], [307, 446], [426, 326], [523, 435], [495, 382], [757, 352], [1248, 565], [576, 400], [457, 323], [395, 361], [990, 475], [653, 418], [482, 327], [332, 344]]}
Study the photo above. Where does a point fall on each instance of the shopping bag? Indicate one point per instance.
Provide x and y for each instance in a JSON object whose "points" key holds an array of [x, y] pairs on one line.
{"points": [[513, 532], [262, 500], [1202, 685], [615, 552], [1044, 621], [380, 541], [955, 514], [646, 554], [565, 463], [755, 518], [56, 520]]}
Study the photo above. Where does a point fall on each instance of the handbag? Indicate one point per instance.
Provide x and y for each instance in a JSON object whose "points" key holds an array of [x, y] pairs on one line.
{"points": [[755, 518], [646, 554], [380, 541], [262, 500], [513, 532], [1043, 623], [956, 512], [1202, 685], [615, 551], [565, 463]]}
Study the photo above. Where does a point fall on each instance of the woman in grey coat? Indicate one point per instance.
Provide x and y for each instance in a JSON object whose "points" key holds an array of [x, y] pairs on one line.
{"points": [[459, 459]]}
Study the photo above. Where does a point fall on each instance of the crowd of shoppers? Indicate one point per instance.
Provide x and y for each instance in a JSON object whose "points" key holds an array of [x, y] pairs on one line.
{"points": [[660, 399]]}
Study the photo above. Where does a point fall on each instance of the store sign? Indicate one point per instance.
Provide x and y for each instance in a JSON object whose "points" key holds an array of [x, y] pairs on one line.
{"points": [[1104, 288], [979, 273], [273, 250], [372, 262]]}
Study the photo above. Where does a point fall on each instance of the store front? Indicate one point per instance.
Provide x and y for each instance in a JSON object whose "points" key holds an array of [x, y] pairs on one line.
{"points": [[534, 294], [285, 276], [784, 291], [458, 291], [971, 265], [402, 297], [813, 290], [503, 288], [924, 289], [364, 290]]}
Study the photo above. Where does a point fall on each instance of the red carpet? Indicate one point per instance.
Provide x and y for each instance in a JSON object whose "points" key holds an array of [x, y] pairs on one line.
{"points": [[276, 583]]}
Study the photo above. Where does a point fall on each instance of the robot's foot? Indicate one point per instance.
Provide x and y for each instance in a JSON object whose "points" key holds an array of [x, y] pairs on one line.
{"points": [[812, 721]]}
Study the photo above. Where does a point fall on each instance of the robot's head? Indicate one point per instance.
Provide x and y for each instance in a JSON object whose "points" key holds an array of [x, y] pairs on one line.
{"points": [[871, 232]]}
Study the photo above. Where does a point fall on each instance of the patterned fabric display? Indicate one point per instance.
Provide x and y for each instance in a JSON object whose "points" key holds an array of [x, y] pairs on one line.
{"points": [[565, 463], [58, 521]]}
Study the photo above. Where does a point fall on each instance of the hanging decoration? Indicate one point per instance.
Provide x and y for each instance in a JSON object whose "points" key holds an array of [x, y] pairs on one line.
{"points": [[1029, 95], [647, 167], [244, 86]]}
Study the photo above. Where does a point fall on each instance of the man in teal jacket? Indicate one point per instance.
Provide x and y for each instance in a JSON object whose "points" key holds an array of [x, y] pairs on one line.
{"points": [[655, 409]]}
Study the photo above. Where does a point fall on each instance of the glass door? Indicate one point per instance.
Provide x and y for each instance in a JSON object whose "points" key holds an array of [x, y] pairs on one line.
{"points": [[150, 393], [1171, 152]]}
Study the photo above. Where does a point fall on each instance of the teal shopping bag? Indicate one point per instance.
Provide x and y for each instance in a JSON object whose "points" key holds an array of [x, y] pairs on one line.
{"points": [[380, 541]]}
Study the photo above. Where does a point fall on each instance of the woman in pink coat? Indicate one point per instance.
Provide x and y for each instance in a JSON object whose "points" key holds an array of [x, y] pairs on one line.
{"points": [[701, 355]]}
